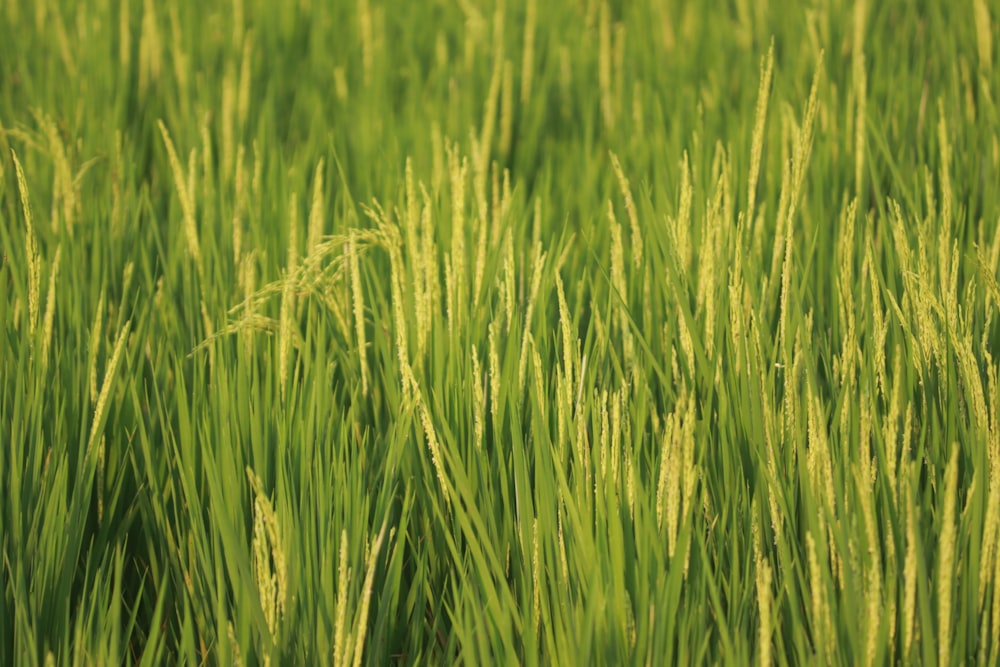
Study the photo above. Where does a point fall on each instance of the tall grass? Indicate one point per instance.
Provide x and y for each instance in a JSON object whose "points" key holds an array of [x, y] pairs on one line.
{"points": [[506, 332]]}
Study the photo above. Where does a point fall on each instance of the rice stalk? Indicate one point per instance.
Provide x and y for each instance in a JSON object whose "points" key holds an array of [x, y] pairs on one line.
{"points": [[873, 580], [859, 76], [528, 57], [234, 645], [946, 557], [239, 206], [821, 621], [636, 233], [944, 241], [764, 603], [116, 188], [150, 49], [984, 35], [269, 561], [506, 109], [757, 138], [537, 264], [341, 651], [317, 210], [50, 308], [65, 198], [124, 35], [366, 35], [100, 410], [478, 402], [604, 66], [357, 298], [682, 226], [429, 277], [366, 595], [507, 280], [456, 286], [433, 445], [95, 338], [619, 284], [184, 194], [285, 326], [30, 248], [480, 165]]}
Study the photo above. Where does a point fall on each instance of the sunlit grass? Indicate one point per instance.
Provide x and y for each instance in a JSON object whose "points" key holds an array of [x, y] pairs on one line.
{"points": [[505, 332]]}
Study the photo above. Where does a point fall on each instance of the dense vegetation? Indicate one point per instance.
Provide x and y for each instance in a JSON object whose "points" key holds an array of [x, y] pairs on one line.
{"points": [[577, 332]]}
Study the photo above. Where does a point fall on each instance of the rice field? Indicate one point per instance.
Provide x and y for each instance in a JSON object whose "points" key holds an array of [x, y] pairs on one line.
{"points": [[499, 332]]}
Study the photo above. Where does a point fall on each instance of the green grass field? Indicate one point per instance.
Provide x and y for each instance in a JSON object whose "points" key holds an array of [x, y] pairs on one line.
{"points": [[499, 331]]}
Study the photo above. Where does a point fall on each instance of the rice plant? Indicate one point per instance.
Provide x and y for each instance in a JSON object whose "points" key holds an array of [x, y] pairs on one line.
{"points": [[500, 332]]}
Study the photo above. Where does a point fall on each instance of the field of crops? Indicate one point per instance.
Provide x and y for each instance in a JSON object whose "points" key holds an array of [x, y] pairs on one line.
{"points": [[499, 332]]}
